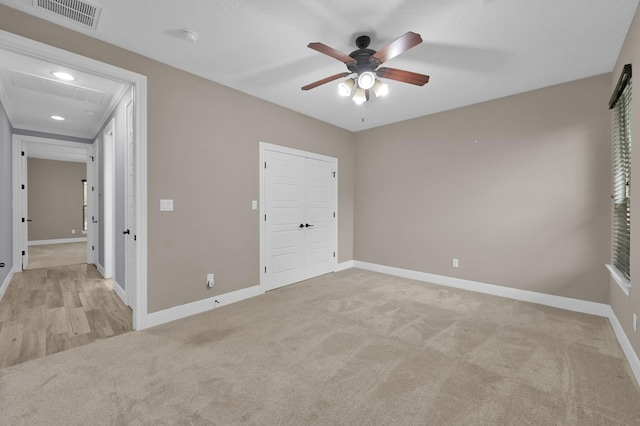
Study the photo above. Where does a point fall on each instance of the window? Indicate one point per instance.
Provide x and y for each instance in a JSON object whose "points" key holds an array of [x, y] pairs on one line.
{"points": [[84, 205], [621, 105]]}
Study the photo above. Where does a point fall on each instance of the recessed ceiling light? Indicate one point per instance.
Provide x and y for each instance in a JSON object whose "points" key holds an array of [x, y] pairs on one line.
{"points": [[57, 117], [90, 112], [63, 76]]}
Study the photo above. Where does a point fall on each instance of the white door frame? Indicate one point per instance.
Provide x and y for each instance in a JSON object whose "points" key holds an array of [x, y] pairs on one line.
{"points": [[92, 203], [22, 45], [21, 143], [130, 205], [108, 213], [264, 146]]}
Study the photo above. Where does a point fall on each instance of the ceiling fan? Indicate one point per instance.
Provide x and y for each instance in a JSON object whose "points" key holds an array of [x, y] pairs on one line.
{"points": [[364, 63]]}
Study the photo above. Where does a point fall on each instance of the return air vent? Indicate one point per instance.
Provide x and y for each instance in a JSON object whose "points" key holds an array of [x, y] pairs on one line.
{"points": [[78, 11], [56, 88]]}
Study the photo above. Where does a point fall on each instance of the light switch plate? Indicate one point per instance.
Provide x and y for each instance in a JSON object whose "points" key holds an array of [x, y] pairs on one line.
{"points": [[166, 205], [254, 205]]}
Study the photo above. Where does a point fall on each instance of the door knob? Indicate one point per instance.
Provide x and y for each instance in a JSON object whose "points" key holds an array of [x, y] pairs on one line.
{"points": [[308, 226], [301, 226], [127, 232]]}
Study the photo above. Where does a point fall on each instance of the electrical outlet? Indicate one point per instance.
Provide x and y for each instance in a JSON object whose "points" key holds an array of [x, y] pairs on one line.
{"points": [[635, 323], [455, 263], [210, 281], [73, 231]]}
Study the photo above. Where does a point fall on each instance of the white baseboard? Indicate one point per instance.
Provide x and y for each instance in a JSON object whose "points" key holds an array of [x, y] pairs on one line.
{"points": [[631, 355], [58, 241], [344, 265], [5, 284], [182, 311], [120, 292], [576, 305]]}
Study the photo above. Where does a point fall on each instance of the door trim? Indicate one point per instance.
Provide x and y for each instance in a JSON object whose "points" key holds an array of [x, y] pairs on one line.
{"points": [[23, 45], [263, 147], [21, 143]]}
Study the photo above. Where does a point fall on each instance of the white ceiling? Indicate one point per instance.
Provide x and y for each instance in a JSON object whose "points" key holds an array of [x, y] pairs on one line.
{"points": [[31, 94], [474, 50]]}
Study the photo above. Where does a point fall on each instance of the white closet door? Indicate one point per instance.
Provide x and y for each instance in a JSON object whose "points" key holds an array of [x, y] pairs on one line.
{"points": [[319, 234], [284, 196], [299, 223]]}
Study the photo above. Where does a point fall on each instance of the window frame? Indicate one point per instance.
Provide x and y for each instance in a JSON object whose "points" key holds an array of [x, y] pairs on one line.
{"points": [[620, 103]]}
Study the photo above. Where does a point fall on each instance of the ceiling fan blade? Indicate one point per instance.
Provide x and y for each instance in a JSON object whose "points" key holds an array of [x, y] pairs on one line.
{"points": [[403, 76], [330, 51], [396, 47], [325, 80]]}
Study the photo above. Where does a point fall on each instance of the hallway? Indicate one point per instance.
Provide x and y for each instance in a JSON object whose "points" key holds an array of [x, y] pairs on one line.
{"points": [[50, 310]]}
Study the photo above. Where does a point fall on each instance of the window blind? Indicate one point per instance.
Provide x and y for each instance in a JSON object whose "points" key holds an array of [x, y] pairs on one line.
{"points": [[622, 176]]}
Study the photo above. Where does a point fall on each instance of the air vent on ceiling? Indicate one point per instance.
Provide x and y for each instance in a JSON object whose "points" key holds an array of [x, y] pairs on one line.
{"points": [[78, 11]]}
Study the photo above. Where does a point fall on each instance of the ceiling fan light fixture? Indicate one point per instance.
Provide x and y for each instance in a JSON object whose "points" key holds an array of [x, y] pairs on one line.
{"points": [[345, 88], [366, 80], [360, 96], [380, 88]]}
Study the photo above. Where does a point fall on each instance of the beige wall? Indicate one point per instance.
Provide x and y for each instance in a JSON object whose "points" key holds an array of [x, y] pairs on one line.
{"points": [[625, 306], [527, 206], [203, 153], [55, 198]]}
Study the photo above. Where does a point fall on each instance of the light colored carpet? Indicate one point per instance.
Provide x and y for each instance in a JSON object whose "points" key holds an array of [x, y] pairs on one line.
{"points": [[52, 255], [350, 348]]}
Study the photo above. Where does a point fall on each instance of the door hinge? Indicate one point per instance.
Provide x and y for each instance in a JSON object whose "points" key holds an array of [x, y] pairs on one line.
{"points": [[334, 214], [23, 252], [93, 248], [265, 269], [265, 217], [23, 186], [135, 238], [91, 156], [334, 254], [23, 220], [22, 153], [265, 164], [93, 188], [334, 174]]}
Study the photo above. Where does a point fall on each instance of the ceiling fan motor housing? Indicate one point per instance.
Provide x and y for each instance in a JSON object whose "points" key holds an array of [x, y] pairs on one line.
{"points": [[362, 56]]}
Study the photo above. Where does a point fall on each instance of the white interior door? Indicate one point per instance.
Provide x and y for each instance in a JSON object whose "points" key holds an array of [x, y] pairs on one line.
{"points": [[299, 200], [319, 221], [92, 204], [130, 248], [284, 232], [25, 209]]}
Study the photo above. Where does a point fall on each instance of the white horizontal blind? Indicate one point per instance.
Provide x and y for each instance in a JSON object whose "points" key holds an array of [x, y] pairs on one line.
{"points": [[622, 182]]}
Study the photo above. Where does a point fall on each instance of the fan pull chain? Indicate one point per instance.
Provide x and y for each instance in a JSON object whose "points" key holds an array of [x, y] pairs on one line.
{"points": [[362, 106]]}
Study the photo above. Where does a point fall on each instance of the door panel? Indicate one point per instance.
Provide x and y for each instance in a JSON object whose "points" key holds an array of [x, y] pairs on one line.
{"points": [[284, 206], [25, 212], [319, 213]]}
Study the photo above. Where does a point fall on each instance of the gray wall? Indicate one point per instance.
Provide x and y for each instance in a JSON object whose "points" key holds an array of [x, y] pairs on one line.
{"points": [[527, 206], [6, 225], [625, 306], [119, 114], [55, 198]]}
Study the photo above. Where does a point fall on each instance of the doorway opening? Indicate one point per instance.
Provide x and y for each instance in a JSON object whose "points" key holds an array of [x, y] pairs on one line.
{"points": [[24, 46]]}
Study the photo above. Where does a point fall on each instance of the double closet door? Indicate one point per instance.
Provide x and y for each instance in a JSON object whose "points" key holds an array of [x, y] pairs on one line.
{"points": [[299, 200]]}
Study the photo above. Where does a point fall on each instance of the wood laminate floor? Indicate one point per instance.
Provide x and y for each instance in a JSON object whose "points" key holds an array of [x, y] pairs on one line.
{"points": [[50, 310]]}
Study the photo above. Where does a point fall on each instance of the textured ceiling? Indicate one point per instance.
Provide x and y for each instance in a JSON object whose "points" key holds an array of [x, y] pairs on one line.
{"points": [[474, 50]]}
